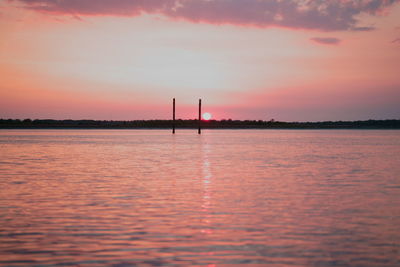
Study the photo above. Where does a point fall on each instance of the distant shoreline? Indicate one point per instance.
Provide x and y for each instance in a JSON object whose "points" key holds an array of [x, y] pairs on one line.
{"points": [[193, 124]]}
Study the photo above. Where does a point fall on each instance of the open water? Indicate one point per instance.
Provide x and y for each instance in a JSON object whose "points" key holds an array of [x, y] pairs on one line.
{"points": [[227, 197]]}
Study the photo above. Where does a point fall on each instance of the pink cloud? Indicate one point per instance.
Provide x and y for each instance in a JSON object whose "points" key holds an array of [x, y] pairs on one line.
{"points": [[300, 14], [326, 40]]}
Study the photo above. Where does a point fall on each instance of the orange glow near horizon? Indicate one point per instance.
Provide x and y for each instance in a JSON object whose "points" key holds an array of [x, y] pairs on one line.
{"points": [[111, 67]]}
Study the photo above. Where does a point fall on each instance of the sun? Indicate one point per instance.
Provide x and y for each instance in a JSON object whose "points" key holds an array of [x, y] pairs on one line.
{"points": [[207, 116]]}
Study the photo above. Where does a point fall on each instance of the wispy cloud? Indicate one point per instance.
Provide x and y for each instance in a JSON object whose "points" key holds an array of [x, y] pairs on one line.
{"points": [[321, 15], [326, 40]]}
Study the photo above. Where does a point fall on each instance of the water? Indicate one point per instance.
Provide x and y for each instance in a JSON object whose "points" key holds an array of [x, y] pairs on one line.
{"points": [[229, 197]]}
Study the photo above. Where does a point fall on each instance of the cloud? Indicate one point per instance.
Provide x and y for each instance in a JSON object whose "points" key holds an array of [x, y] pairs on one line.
{"points": [[321, 15], [362, 29], [326, 40]]}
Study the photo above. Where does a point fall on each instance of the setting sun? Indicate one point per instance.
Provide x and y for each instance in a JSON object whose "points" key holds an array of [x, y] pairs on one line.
{"points": [[207, 116]]}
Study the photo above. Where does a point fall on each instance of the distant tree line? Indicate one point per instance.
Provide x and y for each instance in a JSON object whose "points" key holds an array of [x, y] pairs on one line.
{"points": [[190, 124]]}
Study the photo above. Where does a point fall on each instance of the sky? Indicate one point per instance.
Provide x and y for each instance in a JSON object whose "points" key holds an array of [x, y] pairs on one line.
{"points": [[287, 60]]}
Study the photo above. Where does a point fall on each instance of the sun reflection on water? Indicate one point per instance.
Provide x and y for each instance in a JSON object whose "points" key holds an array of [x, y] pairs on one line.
{"points": [[206, 182]]}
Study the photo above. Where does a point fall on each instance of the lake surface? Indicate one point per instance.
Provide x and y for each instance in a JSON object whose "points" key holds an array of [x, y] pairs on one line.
{"points": [[227, 197]]}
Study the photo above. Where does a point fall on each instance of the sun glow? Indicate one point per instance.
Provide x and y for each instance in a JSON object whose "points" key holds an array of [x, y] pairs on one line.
{"points": [[207, 116]]}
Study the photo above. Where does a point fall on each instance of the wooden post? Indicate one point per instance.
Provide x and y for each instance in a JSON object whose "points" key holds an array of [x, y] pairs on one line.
{"points": [[199, 116], [173, 116]]}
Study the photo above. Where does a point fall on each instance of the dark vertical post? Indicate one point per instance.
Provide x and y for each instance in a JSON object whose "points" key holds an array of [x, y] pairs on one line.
{"points": [[173, 116], [199, 116]]}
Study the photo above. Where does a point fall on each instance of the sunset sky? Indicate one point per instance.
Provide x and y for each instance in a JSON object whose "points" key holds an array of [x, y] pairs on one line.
{"points": [[290, 60]]}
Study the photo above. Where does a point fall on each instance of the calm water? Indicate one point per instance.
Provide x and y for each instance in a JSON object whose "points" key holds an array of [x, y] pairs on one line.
{"points": [[229, 197]]}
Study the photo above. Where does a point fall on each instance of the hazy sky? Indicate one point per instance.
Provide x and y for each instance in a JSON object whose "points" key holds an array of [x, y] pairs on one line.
{"points": [[291, 60]]}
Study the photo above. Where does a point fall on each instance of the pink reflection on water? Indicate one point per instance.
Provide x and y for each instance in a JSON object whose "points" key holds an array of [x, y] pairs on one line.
{"points": [[226, 197]]}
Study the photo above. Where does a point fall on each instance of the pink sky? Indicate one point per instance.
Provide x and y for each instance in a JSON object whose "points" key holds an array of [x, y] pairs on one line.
{"points": [[125, 60]]}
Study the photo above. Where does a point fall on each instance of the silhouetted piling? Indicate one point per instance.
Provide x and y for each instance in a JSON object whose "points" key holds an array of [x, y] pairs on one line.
{"points": [[173, 116], [199, 116]]}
